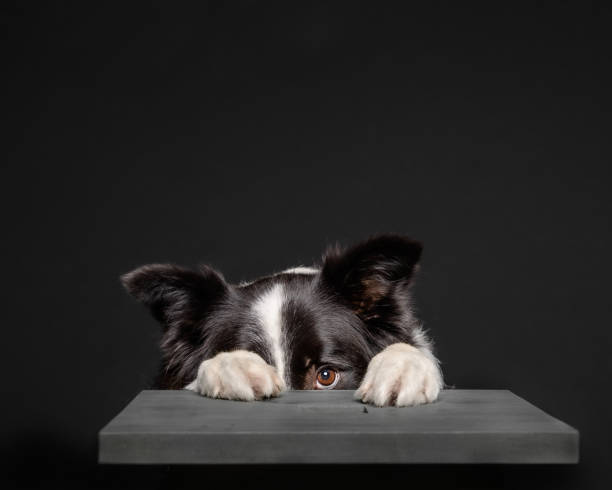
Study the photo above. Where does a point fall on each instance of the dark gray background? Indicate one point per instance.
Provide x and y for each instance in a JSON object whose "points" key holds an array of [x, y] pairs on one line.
{"points": [[250, 136]]}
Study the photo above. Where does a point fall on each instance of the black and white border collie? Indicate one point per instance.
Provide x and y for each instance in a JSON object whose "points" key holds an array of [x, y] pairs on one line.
{"points": [[347, 324]]}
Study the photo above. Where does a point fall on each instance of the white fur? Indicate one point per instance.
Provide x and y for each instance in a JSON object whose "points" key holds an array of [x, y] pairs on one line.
{"points": [[401, 375], [294, 270], [268, 310], [237, 375], [301, 270], [422, 341]]}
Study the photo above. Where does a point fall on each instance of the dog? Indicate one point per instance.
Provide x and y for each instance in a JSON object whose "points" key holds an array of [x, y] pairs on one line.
{"points": [[347, 324]]}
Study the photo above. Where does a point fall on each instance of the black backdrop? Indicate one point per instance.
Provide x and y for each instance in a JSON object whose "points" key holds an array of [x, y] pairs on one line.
{"points": [[249, 135]]}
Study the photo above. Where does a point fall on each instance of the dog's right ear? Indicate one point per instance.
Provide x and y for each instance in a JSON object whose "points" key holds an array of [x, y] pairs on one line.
{"points": [[176, 296], [374, 274]]}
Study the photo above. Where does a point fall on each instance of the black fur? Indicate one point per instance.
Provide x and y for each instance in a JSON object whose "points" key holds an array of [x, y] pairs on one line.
{"points": [[341, 317]]}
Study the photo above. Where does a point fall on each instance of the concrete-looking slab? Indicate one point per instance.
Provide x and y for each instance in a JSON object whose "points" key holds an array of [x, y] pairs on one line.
{"points": [[329, 427]]}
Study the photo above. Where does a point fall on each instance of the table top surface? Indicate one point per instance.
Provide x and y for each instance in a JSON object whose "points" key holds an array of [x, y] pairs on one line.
{"points": [[331, 411], [181, 426]]}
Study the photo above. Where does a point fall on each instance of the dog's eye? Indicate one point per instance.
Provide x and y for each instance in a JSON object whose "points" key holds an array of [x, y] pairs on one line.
{"points": [[327, 378]]}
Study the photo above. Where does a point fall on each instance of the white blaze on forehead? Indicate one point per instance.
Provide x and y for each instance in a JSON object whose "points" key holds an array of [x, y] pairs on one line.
{"points": [[268, 309]]}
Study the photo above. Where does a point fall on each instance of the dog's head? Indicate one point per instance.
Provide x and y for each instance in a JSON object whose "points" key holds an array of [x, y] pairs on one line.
{"points": [[319, 326]]}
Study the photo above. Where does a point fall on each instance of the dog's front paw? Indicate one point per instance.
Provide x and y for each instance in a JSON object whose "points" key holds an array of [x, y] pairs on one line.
{"points": [[237, 375], [400, 375]]}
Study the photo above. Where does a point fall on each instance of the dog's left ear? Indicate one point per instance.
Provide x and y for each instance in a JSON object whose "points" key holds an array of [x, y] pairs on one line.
{"points": [[176, 296], [369, 275]]}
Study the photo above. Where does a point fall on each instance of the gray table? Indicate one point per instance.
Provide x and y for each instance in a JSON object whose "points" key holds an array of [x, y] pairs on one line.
{"points": [[463, 426]]}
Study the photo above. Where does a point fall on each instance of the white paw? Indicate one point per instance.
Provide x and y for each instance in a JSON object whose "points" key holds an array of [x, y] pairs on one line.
{"points": [[401, 375], [237, 375]]}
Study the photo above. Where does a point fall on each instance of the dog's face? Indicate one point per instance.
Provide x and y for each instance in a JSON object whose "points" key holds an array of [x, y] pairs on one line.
{"points": [[318, 326]]}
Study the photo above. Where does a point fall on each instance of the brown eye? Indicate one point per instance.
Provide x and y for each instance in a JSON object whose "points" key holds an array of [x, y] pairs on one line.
{"points": [[327, 378]]}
